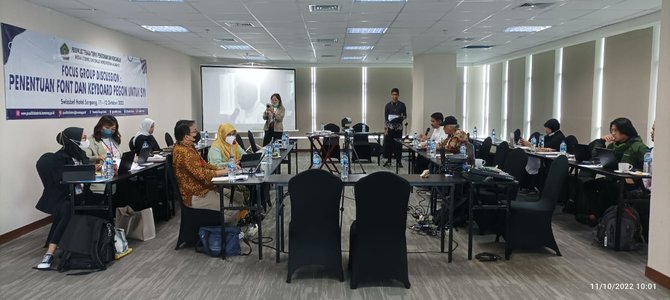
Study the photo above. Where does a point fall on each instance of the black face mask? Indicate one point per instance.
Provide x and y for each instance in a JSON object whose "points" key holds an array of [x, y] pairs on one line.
{"points": [[197, 137]]}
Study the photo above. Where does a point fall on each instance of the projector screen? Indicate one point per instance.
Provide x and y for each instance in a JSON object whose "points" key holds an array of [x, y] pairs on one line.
{"points": [[239, 95]]}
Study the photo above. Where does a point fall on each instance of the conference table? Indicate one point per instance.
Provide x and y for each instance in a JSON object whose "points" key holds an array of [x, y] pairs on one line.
{"points": [[254, 179], [447, 185], [619, 177]]}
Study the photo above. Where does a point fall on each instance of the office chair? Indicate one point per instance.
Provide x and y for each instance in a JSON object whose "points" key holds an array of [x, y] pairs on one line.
{"points": [[361, 143], [240, 142], [333, 141], [501, 154], [377, 245], [131, 144], [252, 142], [168, 140], [314, 230]]}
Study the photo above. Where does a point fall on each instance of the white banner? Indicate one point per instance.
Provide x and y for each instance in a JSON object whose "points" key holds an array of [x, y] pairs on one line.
{"points": [[49, 77]]}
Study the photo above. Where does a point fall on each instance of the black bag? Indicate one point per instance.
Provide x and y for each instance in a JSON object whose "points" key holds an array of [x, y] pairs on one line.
{"points": [[210, 238], [87, 243], [631, 229]]}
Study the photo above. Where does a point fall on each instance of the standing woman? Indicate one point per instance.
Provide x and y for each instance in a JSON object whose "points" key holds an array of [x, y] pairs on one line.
{"points": [[55, 199], [146, 135], [274, 117], [106, 139]]}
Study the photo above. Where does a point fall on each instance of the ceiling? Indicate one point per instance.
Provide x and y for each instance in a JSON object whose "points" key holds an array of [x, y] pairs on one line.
{"points": [[285, 31]]}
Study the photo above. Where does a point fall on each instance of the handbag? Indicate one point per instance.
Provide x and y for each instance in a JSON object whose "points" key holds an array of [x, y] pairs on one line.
{"points": [[138, 225], [210, 238]]}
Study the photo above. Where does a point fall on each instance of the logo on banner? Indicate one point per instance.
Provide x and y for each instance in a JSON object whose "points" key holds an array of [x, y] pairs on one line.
{"points": [[65, 52]]}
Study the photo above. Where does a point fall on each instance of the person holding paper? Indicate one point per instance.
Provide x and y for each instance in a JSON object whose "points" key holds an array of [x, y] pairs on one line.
{"points": [[394, 113], [194, 175]]}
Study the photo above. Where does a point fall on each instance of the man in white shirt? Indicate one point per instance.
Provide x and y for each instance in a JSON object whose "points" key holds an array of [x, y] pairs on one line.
{"points": [[437, 134]]}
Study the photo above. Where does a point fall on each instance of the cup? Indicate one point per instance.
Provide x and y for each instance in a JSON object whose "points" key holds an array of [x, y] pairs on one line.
{"points": [[625, 167], [265, 168], [479, 162]]}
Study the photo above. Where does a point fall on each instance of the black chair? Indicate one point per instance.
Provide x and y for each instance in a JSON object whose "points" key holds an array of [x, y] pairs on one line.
{"points": [[191, 218], [240, 142], [535, 135], [131, 144], [333, 141], [314, 230], [485, 151], [571, 142], [501, 154], [377, 245], [361, 143], [252, 142], [168, 140], [530, 222], [515, 163], [44, 167], [517, 135]]}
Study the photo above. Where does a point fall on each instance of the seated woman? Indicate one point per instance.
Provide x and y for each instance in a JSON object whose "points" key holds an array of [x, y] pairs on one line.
{"points": [[628, 148], [455, 136], [553, 138], [55, 199], [106, 139], [225, 146], [145, 135], [194, 175]]}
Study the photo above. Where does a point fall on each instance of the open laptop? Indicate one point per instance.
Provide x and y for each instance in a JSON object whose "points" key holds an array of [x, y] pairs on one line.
{"points": [[607, 158], [143, 155], [126, 162], [251, 160], [582, 153], [78, 172]]}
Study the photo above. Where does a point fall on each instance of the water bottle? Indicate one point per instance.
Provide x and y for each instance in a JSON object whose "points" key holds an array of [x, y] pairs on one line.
{"points": [[431, 148], [474, 133], [231, 168], [316, 160], [463, 151], [542, 141], [647, 162], [532, 144], [323, 127], [564, 148], [268, 154], [275, 151], [284, 140], [109, 166], [493, 134], [415, 142], [344, 161]]}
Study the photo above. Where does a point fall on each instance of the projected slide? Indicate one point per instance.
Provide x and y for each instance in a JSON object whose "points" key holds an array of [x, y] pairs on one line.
{"points": [[239, 96]]}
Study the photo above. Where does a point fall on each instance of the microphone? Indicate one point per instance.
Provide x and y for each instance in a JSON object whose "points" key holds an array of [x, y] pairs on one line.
{"points": [[267, 106], [427, 131]]}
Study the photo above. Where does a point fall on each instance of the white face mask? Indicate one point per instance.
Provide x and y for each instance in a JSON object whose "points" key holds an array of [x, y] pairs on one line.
{"points": [[83, 144], [230, 139]]}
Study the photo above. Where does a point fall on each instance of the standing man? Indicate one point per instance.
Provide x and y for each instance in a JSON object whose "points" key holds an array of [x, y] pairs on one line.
{"points": [[394, 113]]}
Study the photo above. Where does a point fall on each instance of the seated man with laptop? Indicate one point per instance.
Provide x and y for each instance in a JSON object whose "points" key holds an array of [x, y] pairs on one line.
{"points": [[627, 147]]}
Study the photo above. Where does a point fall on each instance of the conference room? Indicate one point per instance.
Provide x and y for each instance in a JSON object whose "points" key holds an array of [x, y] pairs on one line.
{"points": [[378, 71]]}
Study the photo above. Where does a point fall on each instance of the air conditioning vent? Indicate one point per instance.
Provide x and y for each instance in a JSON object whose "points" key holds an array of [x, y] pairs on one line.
{"points": [[324, 8], [331, 41], [239, 24], [478, 47]]}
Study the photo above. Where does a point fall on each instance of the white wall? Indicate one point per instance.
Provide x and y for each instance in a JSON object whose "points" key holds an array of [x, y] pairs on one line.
{"points": [[169, 97], [659, 235]]}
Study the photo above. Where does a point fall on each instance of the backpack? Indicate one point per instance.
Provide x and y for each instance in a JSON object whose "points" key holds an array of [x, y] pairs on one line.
{"points": [[631, 229], [87, 243], [210, 238]]}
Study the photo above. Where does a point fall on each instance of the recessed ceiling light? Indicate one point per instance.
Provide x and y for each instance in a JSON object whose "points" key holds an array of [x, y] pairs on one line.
{"points": [[222, 40], [352, 57], [360, 1], [324, 8], [164, 28], [526, 28], [359, 48], [236, 47], [325, 40], [366, 30]]}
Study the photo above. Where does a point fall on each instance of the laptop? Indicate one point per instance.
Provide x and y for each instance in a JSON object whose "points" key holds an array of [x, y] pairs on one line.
{"points": [[607, 158], [582, 153], [143, 155], [78, 173], [126, 162], [250, 160]]}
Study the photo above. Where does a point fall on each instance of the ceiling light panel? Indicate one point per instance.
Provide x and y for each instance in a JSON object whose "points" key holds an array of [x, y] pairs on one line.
{"points": [[236, 47], [366, 30], [352, 57], [164, 28], [526, 28], [358, 48]]}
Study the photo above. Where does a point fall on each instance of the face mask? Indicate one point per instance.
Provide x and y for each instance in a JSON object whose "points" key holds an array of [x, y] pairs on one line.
{"points": [[230, 139], [84, 144], [107, 133], [197, 137]]}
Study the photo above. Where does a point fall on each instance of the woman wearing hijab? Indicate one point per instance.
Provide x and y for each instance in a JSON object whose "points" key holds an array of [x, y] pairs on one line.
{"points": [[145, 135], [553, 138], [55, 199], [225, 146]]}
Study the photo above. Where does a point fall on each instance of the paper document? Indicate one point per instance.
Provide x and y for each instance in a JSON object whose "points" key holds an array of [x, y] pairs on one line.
{"points": [[225, 178], [391, 117]]}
